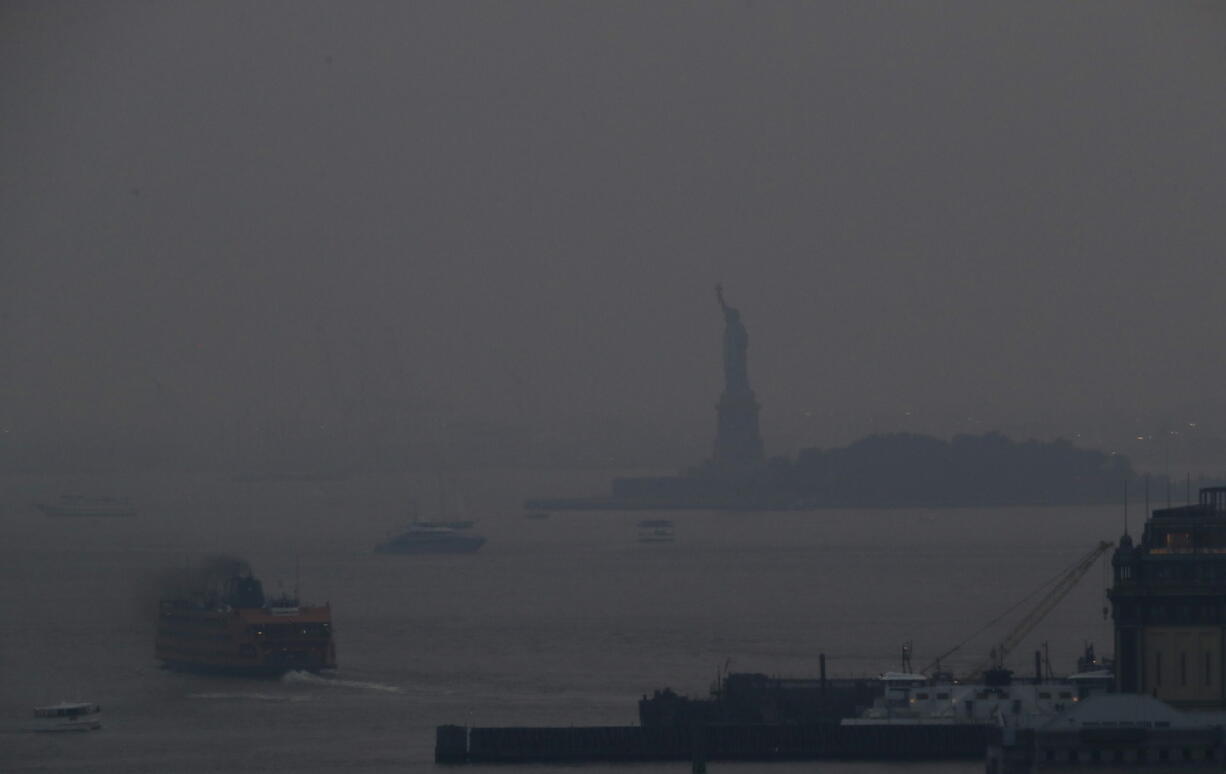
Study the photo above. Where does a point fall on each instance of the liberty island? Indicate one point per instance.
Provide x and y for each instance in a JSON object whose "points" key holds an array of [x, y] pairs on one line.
{"points": [[880, 471]]}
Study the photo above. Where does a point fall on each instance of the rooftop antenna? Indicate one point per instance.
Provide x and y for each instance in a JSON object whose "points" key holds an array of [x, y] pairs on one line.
{"points": [[1188, 484], [1146, 497], [1125, 506]]}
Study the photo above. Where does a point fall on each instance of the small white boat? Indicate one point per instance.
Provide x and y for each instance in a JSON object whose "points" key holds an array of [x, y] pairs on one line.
{"points": [[67, 716], [446, 524], [444, 536], [426, 537], [82, 505], [656, 531], [914, 699]]}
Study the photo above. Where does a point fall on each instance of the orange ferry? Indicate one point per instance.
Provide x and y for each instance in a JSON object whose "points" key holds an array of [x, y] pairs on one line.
{"points": [[239, 631]]}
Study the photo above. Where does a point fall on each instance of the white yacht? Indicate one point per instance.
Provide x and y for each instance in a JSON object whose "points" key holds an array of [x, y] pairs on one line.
{"points": [[67, 716], [425, 537]]}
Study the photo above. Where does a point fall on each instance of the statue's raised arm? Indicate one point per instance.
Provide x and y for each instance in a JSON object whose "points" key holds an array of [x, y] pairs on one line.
{"points": [[719, 294]]}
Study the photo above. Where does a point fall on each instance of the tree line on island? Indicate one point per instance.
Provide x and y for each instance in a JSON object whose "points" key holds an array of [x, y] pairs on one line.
{"points": [[906, 469]]}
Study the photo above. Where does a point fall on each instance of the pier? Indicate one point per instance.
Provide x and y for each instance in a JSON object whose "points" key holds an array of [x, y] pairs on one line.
{"points": [[734, 742]]}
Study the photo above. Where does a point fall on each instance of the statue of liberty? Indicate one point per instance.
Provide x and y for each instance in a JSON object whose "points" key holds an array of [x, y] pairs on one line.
{"points": [[736, 349], [738, 444]]}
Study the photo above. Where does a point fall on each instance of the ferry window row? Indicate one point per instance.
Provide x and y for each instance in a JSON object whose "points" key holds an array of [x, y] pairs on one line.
{"points": [[283, 631]]}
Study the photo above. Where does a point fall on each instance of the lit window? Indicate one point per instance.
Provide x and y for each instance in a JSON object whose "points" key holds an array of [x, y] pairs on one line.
{"points": [[1179, 541]]}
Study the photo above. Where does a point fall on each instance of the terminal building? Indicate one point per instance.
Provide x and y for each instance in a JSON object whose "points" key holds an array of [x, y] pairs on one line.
{"points": [[1168, 602]]}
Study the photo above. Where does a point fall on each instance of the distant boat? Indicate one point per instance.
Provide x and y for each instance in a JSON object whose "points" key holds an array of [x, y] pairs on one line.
{"points": [[656, 531], [67, 716], [447, 524], [82, 505], [235, 629], [432, 538], [916, 700]]}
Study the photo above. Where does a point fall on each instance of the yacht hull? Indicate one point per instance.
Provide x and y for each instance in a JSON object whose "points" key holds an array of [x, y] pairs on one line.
{"points": [[465, 544]]}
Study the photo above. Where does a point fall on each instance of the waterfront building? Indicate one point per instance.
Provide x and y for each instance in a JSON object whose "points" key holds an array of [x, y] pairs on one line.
{"points": [[1168, 602]]}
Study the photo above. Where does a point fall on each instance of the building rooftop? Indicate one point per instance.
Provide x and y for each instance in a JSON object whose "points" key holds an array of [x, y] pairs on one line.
{"points": [[1199, 528], [1212, 504]]}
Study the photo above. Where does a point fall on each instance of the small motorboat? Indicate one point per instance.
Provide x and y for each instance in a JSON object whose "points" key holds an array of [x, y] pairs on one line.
{"points": [[656, 531], [67, 716]]}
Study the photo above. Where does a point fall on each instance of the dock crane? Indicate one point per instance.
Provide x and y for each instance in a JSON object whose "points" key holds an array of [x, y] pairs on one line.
{"points": [[1065, 582]]}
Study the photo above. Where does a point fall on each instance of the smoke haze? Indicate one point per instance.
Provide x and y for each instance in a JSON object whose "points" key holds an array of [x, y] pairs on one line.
{"points": [[339, 234], [205, 576]]}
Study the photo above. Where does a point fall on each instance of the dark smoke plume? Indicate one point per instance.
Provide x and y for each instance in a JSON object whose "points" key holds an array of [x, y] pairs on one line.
{"points": [[205, 580]]}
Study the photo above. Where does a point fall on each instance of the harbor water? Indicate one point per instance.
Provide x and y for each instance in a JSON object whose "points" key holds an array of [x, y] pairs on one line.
{"points": [[557, 621]]}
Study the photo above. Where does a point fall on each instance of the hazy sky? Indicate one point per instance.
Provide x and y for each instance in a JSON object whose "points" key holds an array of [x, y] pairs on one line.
{"points": [[514, 213]]}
